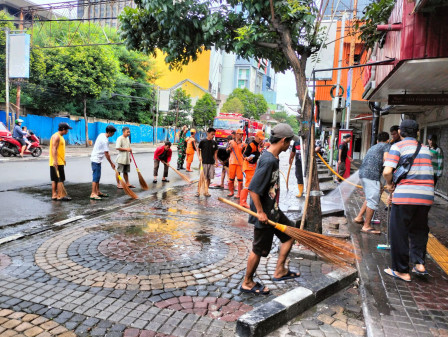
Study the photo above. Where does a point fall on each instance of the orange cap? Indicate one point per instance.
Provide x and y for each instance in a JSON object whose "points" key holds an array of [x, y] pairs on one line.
{"points": [[240, 131], [260, 134]]}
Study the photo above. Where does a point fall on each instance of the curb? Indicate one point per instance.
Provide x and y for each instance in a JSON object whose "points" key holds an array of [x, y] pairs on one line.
{"points": [[279, 311]]}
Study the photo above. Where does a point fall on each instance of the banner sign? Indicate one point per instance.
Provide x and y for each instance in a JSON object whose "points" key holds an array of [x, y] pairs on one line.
{"points": [[19, 55], [418, 99]]}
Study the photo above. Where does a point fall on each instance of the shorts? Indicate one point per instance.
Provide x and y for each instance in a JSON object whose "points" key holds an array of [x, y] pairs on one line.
{"points": [[123, 168], [209, 171], [372, 192], [53, 175], [96, 172], [21, 141], [263, 237]]}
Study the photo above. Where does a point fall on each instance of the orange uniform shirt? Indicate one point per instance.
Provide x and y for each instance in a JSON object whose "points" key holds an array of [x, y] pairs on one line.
{"points": [[236, 149]]}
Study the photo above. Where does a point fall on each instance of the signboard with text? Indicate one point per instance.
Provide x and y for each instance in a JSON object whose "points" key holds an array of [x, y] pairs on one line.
{"points": [[418, 99]]}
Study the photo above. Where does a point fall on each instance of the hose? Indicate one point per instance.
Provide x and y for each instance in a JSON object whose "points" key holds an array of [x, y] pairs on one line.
{"points": [[336, 172]]}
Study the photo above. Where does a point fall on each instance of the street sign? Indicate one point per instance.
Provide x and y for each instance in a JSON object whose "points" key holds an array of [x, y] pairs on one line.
{"points": [[418, 99]]}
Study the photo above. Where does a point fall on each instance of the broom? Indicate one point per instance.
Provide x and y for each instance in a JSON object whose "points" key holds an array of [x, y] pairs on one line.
{"points": [[142, 181], [202, 184], [61, 188], [126, 188], [287, 177], [183, 176], [284, 177], [331, 249]]}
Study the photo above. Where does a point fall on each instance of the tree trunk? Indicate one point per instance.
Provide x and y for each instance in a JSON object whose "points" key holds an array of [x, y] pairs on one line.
{"points": [[314, 211], [85, 119]]}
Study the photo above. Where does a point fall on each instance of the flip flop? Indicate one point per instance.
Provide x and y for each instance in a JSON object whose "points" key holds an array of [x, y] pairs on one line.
{"points": [[288, 276], [419, 273], [154, 181], [390, 272], [131, 186], [54, 198], [208, 195], [257, 289], [120, 187], [358, 222], [64, 199], [103, 195], [165, 181], [371, 231], [96, 198]]}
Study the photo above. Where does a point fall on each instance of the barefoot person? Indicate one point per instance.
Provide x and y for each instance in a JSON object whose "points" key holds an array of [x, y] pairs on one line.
{"points": [[123, 145], [265, 193], [57, 160], [100, 150]]}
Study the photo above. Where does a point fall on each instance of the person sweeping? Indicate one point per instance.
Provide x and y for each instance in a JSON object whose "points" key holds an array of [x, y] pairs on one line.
{"points": [[235, 148], [250, 155], [295, 152], [191, 149], [57, 162], [100, 150], [265, 193], [123, 145], [162, 154]]}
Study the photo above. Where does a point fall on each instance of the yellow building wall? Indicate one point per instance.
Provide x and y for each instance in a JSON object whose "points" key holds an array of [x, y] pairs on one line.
{"points": [[197, 71]]}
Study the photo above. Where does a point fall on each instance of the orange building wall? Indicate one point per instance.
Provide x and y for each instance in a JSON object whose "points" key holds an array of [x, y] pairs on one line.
{"points": [[323, 87]]}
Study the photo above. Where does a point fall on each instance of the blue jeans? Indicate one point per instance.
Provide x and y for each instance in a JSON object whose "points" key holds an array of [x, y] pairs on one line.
{"points": [[96, 172]]}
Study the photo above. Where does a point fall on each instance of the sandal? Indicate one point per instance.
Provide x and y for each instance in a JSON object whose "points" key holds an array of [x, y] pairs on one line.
{"points": [[165, 181], [390, 272], [154, 181], [96, 198], [197, 194], [371, 231], [64, 199], [358, 222], [288, 276], [419, 273], [208, 195], [257, 289], [103, 195]]}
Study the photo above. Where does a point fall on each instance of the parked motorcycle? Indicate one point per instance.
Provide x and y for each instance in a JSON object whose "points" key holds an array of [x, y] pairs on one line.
{"points": [[11, 147]]}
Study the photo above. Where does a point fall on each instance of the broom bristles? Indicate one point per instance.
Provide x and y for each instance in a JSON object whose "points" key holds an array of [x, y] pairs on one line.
{"points": [[331, 249], [126, 188], [142, 181], [183, 176]]}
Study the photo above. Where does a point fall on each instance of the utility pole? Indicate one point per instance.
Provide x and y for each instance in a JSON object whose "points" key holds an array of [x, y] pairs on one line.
{"points": [[338, 82], [351, 62], [157, 116], [18, 83], [7, 78]]}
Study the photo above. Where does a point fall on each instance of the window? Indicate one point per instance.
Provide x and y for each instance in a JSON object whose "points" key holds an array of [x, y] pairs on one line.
{"points": [[243, 78]]}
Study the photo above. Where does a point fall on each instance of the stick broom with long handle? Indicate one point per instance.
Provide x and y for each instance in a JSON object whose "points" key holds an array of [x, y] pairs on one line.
{"points": [[141, 180], [331, 249], [183, 176], [125, 186]]}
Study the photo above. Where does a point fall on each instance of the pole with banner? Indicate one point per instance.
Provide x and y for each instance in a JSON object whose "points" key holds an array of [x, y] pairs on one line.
{"points": [[8, 121], [349, 97]]}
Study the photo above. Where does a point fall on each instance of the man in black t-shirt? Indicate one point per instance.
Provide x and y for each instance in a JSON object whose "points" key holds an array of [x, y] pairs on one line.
{"points": [[343, 154], [208, 151], [265, 192]]}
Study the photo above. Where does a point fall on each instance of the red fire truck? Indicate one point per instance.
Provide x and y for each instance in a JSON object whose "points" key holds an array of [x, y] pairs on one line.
{"points": [[225, 123]]}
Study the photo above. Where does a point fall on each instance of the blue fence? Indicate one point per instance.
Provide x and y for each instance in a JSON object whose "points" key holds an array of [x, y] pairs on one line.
{"points": [[44, 127]]}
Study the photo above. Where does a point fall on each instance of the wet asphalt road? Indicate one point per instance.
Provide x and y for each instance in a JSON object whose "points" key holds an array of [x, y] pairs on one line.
{"points": [[25, 191]]}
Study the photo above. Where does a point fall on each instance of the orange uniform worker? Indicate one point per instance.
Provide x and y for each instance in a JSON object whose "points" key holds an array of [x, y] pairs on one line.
{"points": [[191, 149], [250, 155], [236, 163]]}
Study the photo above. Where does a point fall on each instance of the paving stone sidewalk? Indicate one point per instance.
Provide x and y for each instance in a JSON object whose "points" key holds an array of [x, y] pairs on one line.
{"points": [[392, 307], [170, 265]]}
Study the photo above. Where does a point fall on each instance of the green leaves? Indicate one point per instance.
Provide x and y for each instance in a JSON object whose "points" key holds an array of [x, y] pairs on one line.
{"points": [[253, 105], [204, 111]]}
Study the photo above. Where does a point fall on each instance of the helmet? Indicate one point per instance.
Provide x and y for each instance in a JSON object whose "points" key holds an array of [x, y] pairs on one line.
{"points": [[19, 121], [239, 131], [192, 131]]}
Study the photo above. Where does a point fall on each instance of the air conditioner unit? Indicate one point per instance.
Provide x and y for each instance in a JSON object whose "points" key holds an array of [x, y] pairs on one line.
{"points": [[338, 103]]}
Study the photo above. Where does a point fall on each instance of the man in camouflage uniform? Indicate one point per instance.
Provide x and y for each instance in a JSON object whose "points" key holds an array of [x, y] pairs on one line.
{"points": [[181, 148]]}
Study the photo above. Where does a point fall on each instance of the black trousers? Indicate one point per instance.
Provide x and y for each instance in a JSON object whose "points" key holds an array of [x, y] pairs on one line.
{"points": [[299, 174], [408, 235]]}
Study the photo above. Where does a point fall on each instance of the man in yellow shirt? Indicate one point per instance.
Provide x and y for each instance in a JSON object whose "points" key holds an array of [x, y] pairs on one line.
{"points": [[57, 160]]}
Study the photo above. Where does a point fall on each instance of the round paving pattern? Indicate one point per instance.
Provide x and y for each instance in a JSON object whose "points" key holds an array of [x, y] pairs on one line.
{"points": [[161, 254], [16, 323]]}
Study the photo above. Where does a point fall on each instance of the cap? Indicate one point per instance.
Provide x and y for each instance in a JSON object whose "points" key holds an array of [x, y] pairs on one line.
{"points": [[239, 131], [260, 134], [346, 136], [64, 126], [409, 124], [192, 131], [283, 130]]}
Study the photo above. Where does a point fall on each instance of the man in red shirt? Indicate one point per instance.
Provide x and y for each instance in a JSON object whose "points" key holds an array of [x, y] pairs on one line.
{"points": [[163, 153]]}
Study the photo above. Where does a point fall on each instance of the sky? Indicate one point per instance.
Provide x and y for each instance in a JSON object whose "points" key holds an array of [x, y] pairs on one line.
{"points": [[286, 87]]}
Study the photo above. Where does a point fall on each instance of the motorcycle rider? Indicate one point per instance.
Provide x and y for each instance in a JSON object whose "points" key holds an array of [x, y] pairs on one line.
{"points": [[18, 135]]}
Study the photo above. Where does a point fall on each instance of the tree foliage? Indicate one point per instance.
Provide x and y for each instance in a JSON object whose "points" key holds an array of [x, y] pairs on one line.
{"points": [[282, 116], [254, 104], [233, 105], [180, 106], [375, 13], [204, 111]]}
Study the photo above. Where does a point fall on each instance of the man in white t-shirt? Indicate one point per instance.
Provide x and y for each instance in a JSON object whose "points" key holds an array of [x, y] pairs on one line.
{"points": [[100, 150], [123, 145]]}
